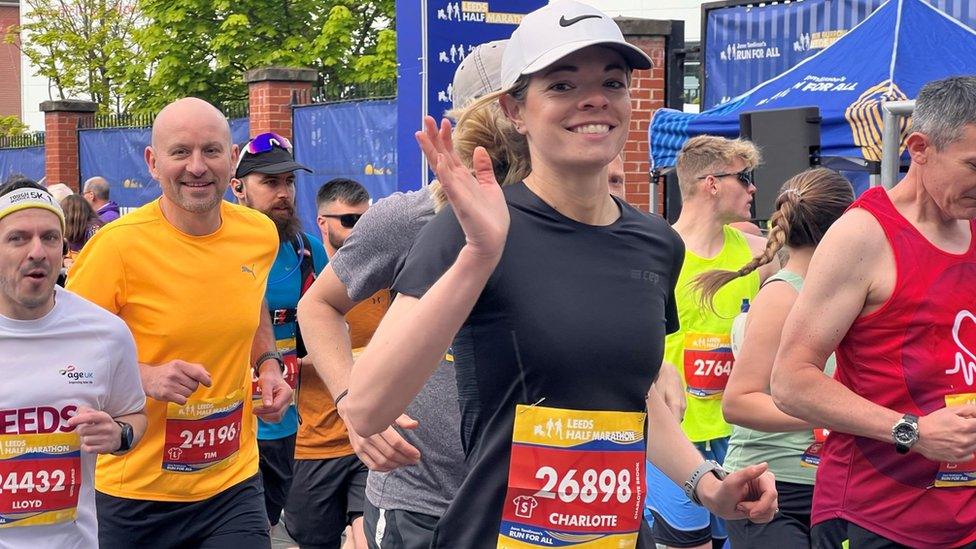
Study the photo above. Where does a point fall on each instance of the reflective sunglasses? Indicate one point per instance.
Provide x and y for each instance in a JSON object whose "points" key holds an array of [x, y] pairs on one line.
{"points": [[744, 177], [346, 220], [263, 143]]}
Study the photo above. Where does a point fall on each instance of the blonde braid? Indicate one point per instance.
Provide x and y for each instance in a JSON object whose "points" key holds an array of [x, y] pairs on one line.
{"points": [[710, 282]]}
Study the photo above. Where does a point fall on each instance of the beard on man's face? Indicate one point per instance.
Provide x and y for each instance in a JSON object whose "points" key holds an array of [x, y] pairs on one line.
{"points": [[285, 220]]}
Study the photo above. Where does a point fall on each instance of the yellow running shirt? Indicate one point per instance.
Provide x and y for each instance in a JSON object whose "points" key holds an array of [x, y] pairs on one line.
{"points": [[192, 298], [701, 349]]}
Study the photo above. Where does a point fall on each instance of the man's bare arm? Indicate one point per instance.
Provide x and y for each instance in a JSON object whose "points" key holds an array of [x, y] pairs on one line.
{"points": [[838, 281], [852, 272], [321, 314]]}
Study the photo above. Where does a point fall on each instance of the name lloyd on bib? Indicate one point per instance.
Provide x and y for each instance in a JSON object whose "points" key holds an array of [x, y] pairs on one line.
{"points": [[574, 479], [40, 478]]}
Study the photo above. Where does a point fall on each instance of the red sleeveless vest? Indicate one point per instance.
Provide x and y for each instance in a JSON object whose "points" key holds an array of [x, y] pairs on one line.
{"points": [[907, 356]]}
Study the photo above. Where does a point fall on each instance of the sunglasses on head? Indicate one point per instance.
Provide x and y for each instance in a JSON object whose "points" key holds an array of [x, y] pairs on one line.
{"points": [[744, 177], [346, 220], [263, 143]]}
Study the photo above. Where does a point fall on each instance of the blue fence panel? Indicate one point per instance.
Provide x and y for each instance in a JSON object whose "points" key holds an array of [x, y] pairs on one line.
{"points": [[28, 161], [747, 45], [118, 155], [356, 140]]}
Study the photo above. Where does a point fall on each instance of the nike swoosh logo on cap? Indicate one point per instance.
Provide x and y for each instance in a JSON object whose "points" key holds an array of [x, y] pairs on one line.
{"points": [[563, 22]]}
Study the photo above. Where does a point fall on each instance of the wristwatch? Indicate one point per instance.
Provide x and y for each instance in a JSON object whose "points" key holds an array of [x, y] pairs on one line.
{"points": [[125, 444], [691, 485], [905, 433], [270, 355]]}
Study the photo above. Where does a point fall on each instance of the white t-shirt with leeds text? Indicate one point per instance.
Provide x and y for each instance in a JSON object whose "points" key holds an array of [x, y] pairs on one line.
{"points": [[77, 355]]}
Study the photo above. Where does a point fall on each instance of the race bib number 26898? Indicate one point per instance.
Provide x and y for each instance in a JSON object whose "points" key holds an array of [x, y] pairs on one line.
{"points": [[575, 479]]}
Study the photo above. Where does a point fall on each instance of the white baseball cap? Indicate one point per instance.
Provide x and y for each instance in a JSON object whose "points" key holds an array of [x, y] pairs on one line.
{"points": [[563, 27], [479, 74]]}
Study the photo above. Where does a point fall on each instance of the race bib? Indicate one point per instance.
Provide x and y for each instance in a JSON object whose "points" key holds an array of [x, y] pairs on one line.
{"points": [[707, 364], [957, 474], [289, 354], [575, 479], [811, 456], [40, 477], [203, 434]]}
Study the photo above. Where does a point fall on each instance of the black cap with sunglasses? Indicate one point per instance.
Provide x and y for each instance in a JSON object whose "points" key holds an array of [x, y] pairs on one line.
{"points": [[267, 153]]}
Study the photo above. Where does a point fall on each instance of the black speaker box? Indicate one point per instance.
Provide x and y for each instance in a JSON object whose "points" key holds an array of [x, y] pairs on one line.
{"points": [[790, 143]]}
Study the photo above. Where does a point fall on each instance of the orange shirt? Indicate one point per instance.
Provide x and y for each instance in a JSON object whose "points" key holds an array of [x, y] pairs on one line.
{"points": [[321, 433], [193, 298]]}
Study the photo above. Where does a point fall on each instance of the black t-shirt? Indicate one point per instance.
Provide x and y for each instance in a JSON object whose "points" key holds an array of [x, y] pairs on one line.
{"points": [[574, 314]]}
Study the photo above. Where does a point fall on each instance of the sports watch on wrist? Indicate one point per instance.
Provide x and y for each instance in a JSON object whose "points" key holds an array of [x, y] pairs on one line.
{"points": [[691, 485], [125, 442], [270, 355], [905, 433]]}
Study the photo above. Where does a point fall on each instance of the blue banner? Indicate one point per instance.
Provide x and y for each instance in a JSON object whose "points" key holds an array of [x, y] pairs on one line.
{"points": [[118, 155], [355, 140], [28, 161], [747, 45], [433, 37], [910, 43]]}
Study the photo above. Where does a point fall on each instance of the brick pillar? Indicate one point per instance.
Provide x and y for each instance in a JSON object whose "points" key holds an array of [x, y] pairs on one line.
{"points": [[270, 92], [61, 121], [647, 92]]}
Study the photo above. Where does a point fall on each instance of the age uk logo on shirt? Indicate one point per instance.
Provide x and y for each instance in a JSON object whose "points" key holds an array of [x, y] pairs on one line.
{"points": [[77, 376]]}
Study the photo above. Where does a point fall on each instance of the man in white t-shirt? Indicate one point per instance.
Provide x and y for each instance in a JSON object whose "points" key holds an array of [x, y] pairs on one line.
{"points": [[71, 387]]}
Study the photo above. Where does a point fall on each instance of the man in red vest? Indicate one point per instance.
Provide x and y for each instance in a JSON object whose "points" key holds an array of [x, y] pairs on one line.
{"points": [[890, 288]]}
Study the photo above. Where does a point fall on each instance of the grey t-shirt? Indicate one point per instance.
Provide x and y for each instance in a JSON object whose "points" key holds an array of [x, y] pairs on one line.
{"points": [[368, 262]]}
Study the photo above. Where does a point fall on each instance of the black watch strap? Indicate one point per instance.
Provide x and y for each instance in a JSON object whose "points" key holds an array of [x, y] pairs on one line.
{"points": [[272, 355], [125, 438], [905, 433]]}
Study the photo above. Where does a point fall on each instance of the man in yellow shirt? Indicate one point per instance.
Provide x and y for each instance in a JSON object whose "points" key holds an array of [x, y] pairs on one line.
{"points": [[715, 178], [187, 274]]}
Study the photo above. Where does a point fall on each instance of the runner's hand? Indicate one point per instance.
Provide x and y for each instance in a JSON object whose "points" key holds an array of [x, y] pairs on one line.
{"points": [[276, 395], [749, 493], [98, 432], [173, 381], [948, 434], [669, 387], [478, 201], [387, 450]]}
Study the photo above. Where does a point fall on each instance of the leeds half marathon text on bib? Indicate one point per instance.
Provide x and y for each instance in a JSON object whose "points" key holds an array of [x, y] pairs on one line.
{"points": [[575, 479]]}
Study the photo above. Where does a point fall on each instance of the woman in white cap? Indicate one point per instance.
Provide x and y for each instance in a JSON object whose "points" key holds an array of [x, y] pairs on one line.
{"points": [[559, 296]]}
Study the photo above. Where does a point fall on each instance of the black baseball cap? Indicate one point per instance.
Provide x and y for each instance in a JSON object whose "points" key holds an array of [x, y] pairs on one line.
{"points": [[273, 158]]}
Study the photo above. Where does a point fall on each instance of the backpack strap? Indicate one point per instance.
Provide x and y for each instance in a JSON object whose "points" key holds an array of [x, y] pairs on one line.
{"points": [[303, 249]]}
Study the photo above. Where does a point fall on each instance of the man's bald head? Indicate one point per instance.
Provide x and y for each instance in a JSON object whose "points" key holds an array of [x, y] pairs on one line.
{"points": [[98, 186], [189, 110], [192, 157]]}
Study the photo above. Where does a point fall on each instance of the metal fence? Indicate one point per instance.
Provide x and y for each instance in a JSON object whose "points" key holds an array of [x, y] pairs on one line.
{"points": [[340, 93], [232, 110], [35, 139]]}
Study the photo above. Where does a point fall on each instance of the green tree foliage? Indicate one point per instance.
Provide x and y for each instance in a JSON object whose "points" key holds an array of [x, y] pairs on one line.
{"points": [[204, 47], [11, 126], [83, 47]]}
